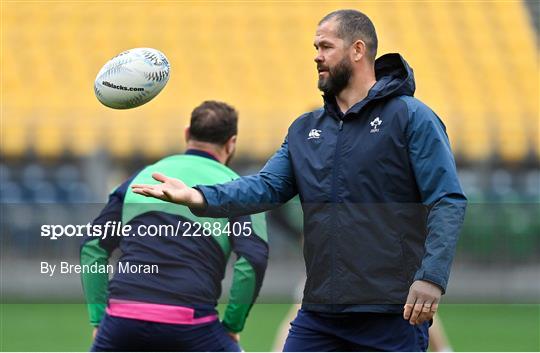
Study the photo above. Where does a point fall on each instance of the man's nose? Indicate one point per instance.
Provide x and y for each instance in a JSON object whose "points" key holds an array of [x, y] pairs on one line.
{"points": [[319, 58]]}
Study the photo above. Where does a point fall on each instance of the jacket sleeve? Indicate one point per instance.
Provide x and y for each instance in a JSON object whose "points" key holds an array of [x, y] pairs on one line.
{"points": [[436, 176], [97, 250], [249, 269], [271, 187]]}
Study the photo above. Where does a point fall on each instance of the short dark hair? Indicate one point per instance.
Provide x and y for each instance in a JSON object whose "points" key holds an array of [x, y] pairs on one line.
{"points": [[214, 122], [354, 25]]}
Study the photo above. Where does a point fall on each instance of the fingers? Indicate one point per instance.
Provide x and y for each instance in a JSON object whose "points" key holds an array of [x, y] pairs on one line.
{"points": [[417, 309], [427, 312], [138, 190], [408, 311], [139, 186], [154, 192], [159, 191], [409, 305], [435, 306], [149, 191], [141, 189], [160, 177], [422, 302], [157, 176], [426, 308], [424, 317]]}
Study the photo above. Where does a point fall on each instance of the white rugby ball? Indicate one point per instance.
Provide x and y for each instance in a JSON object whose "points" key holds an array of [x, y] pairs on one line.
{"points": [[132, 78]]}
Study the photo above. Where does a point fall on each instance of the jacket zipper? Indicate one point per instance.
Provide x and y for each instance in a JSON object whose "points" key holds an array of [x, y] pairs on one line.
{"points": [[335, 199]]}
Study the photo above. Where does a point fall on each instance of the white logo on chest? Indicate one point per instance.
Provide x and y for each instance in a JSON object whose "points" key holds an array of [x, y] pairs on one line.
{"points": [[375, 125], [314, 134]]}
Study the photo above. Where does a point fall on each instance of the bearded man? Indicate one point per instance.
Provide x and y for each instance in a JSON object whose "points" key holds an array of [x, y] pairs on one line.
{"points": [[382, 202]]}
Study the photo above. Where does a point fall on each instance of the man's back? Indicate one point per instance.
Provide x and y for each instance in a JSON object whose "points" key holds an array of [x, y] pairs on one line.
{"points": [[175, 240], [171, 257]]}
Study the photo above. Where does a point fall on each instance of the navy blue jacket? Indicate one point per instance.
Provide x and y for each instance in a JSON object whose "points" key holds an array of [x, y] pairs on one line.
{"points": [[382, 202], [190, 265]]}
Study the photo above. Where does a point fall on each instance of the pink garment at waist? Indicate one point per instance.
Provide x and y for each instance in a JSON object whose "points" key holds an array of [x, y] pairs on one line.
{"points": [[165, 314]]}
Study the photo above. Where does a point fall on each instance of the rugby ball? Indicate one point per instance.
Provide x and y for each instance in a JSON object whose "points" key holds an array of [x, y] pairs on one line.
{"points": [[132, 78]]}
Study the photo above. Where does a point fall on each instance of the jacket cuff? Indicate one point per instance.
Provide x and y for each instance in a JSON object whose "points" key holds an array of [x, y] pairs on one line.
{"points": [[200, 211], [432, 278]]}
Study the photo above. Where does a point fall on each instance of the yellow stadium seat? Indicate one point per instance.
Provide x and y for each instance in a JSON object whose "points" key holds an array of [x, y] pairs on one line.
{"points": [[473, 63]]}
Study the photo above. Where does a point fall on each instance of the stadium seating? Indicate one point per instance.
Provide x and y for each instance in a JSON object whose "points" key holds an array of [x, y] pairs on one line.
{"points": [[475, 64]]}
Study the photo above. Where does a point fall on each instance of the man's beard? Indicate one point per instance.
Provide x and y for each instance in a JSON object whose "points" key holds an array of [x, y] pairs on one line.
{"points": [[338, 78]]}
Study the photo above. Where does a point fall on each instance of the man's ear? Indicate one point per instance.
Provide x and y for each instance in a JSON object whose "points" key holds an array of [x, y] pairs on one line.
{"points": [[359, 50], [230, 145], [187, 134]]}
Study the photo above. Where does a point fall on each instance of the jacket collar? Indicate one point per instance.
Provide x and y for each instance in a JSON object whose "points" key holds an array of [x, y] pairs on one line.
{"points": [[394, 78], [201, 153]]}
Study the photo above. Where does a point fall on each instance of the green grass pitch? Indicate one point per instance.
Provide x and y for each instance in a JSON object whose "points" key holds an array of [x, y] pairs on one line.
{"points": [[470, 327]]}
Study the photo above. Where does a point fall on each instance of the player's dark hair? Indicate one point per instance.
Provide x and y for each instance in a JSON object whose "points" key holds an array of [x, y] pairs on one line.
{"points": [[354, 25], [214, 122]]}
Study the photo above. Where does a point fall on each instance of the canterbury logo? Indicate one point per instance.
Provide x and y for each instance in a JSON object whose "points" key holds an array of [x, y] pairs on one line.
{"points": [[314, 134]]}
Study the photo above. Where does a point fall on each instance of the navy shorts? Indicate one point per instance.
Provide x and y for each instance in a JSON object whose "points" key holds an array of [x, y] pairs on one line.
{"points": [[355, 332], [119, 334]]}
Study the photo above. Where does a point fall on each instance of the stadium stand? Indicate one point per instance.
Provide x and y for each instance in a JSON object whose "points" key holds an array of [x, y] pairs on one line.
{"points": [[61, 151], [473, 62]]}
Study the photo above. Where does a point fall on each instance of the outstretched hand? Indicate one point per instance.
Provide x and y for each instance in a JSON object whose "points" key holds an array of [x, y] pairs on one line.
{"points": [[171, 190]]}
